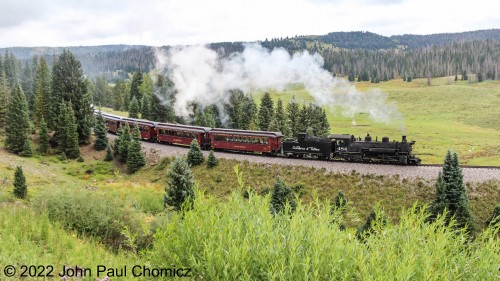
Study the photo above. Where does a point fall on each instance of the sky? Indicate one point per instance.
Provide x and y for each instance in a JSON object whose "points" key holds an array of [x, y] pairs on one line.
{"points": [[190, 22]]}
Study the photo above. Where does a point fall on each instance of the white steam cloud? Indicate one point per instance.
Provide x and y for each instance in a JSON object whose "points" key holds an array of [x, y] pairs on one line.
{"points": [[201, 75]]}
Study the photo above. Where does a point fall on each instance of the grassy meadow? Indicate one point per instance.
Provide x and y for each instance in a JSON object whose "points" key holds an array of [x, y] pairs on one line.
{"points": [[448, 115]]}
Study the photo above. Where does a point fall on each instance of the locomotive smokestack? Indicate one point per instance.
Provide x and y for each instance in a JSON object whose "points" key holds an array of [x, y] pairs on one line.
{"points": [[404, 138]]}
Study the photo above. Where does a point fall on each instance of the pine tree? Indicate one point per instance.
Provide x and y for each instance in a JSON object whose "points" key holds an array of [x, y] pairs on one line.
{"points": [[43, 138], [4, 97], [17, 124], [375, 219], [135, 157], [146, 107], [281, 196], [305, 117], [340, 201], [321, 125], [118, 93], [293, 112], [43, 93], [134, 88], [101, 134], [451, 195], [495, 217], [27, 150], [116, 142], [234, 109], [194, 155], [133, 108], [124, 144], [109, 154], [248, 114], [72, 149], [180, 185], [69, 85], [20, 187], [279, 122], [212, 161], [266, 112]]}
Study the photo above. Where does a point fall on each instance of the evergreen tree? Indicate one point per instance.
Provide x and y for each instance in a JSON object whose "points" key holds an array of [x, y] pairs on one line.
{"points": [[248, 114], [321, 125], [180, 185], [4, 97], [72, 149], [279, 122], [194, 155], [101, 134], [234, 109], [146, 107], [134, 89], [451, 195], [281, 196], [118, 94], [43, 93], [133, 108], [293, 112], [210, 118], [70, 85], [305, 117], [116, 142], [17, 124], [266, 112], [495, 217], [375, 219], [124, 143], [109, 154], [340, 201], [212, 161], [135, 157], [20, 187], [43, 138], [162, 101], [27, 151]]}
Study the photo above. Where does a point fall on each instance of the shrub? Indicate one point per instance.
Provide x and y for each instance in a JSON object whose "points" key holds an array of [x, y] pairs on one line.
{"points": [[90, 213], [281, 196]]}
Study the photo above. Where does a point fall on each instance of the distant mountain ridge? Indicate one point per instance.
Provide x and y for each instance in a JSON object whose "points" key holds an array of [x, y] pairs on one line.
{"points": [[115, 61]]}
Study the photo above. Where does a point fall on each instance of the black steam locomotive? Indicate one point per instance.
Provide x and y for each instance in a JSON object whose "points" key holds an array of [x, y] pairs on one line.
{"points": [[348, 148]]}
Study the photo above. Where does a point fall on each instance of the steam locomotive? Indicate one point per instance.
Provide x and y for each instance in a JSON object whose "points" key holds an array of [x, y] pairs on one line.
{"points": [[335, 147], [347, 147]]}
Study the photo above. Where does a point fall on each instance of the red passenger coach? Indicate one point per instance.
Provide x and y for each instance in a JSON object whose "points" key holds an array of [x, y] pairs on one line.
{"points": [[146, 128], [182, 134], [112, 122], [246, 141]]}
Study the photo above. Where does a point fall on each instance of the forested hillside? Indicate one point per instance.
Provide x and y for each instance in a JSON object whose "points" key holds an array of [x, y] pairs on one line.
{"points": [[362, 56]]}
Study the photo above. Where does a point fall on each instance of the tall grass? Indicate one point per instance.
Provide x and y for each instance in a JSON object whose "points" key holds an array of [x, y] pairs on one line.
{"points": [[239, 239], [30, 238]]}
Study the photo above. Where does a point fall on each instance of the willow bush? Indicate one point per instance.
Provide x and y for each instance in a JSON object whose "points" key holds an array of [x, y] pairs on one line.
{"points": [[239, 239]]}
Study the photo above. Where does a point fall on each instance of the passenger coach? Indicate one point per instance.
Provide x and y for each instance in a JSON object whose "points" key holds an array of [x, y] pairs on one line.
{"points": [[182, 134], [146, 127], [246, 141]]}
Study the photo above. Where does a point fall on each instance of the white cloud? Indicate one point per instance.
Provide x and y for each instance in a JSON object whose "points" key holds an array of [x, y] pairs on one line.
{"points": [[177, 22]]}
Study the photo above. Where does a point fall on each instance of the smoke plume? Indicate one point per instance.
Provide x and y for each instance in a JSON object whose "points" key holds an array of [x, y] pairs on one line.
{"points": [[201, 75]]}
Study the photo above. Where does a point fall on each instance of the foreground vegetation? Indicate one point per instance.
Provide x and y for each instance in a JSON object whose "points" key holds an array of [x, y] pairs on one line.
{"points": [[93, 213]]}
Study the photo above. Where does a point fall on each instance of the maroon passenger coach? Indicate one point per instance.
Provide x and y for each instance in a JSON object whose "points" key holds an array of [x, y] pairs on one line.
{"points": [[182, 134], [146, 127], [246, 141], [112, 122]]}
